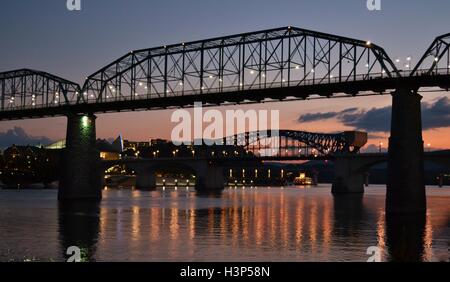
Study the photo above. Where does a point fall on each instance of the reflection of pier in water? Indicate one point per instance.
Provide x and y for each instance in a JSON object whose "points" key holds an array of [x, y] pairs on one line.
{"points": [[243, 224]]}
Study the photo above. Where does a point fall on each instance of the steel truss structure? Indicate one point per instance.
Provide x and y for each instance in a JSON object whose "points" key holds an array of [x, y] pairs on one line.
{"points": [[30, 88], [436, 59], [270, 64], [291, 143], [281, 57]]}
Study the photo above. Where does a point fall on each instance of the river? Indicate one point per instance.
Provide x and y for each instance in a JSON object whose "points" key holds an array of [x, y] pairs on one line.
{"points": [[251, 224]]}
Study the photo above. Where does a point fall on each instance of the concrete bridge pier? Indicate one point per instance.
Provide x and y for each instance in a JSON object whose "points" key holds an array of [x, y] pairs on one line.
{"points": [[145, 179], [81, 176], [405, 183], [366, 179], [348, 176], [210, 178], [441, 180]]}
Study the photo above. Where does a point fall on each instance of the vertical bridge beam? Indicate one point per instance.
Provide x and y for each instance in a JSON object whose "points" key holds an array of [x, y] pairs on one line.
{"points": [[348, 175], [81, 169], [405, 185]]}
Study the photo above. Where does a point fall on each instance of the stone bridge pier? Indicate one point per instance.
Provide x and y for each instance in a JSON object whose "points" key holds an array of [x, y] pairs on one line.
{"points": [[406, 184]]}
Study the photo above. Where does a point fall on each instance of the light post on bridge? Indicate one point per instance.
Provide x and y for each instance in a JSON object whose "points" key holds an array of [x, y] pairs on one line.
{"points": [[381, 147], [408, 62], [407, 65]]}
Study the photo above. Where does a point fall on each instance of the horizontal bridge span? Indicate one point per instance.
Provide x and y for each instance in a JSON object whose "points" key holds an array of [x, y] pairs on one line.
{"points": [[30, 89], [276, 64], [283, 57]]}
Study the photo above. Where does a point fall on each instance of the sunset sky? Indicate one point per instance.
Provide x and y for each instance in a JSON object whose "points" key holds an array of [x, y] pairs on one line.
{"points": [[44, 35]]}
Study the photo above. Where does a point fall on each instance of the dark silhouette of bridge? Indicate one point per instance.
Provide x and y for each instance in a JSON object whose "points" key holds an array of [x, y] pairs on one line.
{"points": [[295, 145], [249, 149], [278, 64], [210, 163]]}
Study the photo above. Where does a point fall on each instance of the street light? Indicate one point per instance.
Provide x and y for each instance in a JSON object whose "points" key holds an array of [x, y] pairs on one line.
{"points": [[408, 64], [381, 146]]}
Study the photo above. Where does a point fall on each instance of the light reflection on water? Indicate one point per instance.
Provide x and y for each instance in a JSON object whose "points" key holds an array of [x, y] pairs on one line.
{"points": [[291, 224]]}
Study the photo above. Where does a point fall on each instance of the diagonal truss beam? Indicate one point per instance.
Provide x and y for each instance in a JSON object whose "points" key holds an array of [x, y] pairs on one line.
{"points": [[281, 57], [325, 144], [436, 59], [28, 89]]}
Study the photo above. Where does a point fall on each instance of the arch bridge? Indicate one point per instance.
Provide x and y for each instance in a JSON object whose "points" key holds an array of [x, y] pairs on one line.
{"points": [[294, 145]]}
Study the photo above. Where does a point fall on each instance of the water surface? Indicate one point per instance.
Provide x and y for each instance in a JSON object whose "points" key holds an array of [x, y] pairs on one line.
{"points": [[264, 224]]}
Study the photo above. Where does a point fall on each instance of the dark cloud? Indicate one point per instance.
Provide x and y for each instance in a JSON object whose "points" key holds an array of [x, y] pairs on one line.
{"points": [[327, 115], [317, 116], [18, 136], [434, 115], [377, 120], [349, 110]]}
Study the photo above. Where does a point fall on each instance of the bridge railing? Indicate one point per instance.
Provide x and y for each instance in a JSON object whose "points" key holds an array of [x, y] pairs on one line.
{"points": [[266, 85], [76, 97], [426, 72], [239, 88], [228, 89]]}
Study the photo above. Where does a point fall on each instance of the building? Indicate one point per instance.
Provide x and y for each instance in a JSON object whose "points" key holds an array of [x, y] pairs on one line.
{"points": [[108, 151]]}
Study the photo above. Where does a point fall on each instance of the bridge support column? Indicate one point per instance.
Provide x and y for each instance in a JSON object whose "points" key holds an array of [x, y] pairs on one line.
{"points": [[211, 179], [81, 168], [145, 176], [405, 183], [347, 177], [146, 180], [441, 180]]}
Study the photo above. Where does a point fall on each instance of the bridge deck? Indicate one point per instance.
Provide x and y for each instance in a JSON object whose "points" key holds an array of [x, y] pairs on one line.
{"points": [[277, 64], [377, 86]]}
